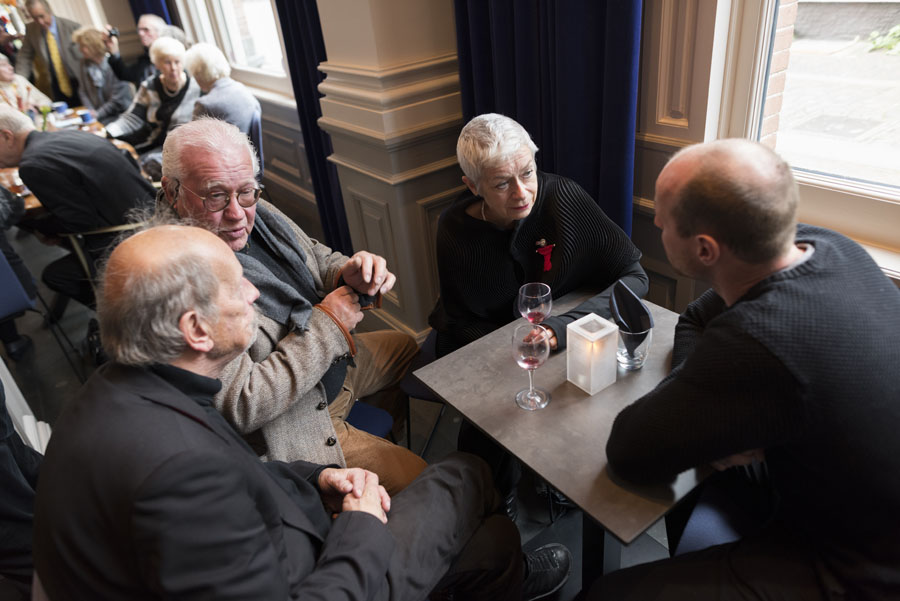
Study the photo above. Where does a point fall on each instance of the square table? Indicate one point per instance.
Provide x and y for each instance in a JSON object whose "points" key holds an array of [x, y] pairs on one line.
{"points": [[564, 443]]}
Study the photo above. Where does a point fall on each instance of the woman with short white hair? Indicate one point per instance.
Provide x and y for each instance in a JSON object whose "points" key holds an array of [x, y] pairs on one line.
{"points": [[163, 102], [514, 225], [223, 97]]}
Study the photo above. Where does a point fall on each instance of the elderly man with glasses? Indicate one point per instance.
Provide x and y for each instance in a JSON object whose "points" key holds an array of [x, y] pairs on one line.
{"points": [[291, 392]]}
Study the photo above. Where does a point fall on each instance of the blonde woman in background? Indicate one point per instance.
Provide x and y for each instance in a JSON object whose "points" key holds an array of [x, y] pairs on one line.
{"points": [[104, 94]]}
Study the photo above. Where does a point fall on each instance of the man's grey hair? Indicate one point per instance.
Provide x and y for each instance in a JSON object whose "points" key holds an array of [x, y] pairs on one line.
{"points": [[489, 140], [139, 325], [202, 135], [744, 195], [206, 63], [165, 47], [13, 120], [44, 3], [176, 33], [154, 21]]}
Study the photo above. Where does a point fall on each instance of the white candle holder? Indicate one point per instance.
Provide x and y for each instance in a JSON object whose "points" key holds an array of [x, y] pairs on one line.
{"points": [[591, 353]]}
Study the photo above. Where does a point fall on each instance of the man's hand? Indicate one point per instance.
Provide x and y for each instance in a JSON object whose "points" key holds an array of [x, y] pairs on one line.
{"points": [[745, 458], [111, 41], [367, 273], [344, 303], [354, 489]]}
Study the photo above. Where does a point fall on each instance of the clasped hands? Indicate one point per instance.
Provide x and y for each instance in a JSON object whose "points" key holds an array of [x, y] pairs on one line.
{"points": [[363, 273], [353, 489]]}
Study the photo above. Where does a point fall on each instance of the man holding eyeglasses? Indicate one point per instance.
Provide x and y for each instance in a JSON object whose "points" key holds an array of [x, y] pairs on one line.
{"points": [[291, 392]]}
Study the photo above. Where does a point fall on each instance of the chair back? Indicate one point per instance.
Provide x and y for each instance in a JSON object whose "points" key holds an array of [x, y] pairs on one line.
{"points": [[13, 298], [255, 135]]}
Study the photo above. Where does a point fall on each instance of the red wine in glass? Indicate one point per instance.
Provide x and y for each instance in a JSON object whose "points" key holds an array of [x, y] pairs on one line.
{"points": [[530, 348], [535, 302]]}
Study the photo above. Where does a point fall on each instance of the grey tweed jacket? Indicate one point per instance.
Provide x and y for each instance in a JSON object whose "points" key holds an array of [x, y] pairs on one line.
{"points": [[275, 386]]}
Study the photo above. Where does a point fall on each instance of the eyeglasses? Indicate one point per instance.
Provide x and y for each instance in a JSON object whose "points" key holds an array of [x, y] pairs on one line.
{"points": [[219, 201]]}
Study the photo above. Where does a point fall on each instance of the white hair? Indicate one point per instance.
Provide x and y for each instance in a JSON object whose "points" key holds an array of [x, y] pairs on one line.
{"points": [[489, 140], [140, 324], [206, 64], [14, 121], [205, 134], [166, 48]]}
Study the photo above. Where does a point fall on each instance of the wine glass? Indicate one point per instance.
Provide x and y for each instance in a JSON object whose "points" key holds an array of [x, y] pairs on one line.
{"points": [[535, 302], [531, 347]]}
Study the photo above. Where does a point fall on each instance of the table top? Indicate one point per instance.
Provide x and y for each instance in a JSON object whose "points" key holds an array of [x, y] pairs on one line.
{"points": [[565, 443]]}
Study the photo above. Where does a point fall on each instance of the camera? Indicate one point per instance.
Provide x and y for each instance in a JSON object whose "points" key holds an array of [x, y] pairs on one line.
{"points": [[113, 32]]}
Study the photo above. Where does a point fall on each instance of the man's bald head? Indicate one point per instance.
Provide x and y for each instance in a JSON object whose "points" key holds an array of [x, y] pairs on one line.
{"points": [[740, 192], [151, 279]]}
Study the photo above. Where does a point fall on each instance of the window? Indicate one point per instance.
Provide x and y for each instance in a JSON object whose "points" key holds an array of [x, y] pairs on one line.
{"points": [[248, 33], [858, 203]]}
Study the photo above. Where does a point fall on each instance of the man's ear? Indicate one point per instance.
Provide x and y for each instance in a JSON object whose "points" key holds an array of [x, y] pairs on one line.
{"points": [[197, 333], [166, 185], [707, 249], [469, 184]]}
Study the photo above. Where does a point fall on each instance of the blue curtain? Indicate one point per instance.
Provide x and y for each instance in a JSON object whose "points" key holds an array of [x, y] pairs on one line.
{"points": [[305, 49], [145, 7], [567, 70]]}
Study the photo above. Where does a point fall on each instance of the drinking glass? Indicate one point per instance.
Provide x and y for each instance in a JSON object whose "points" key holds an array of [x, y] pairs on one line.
{"points": [[535, 302], [531, 347]]}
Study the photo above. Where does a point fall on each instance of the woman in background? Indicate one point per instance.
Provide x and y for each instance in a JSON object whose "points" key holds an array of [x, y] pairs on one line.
{"points": [[164, 101], [100, 91], [18, 92], [223, 97]]}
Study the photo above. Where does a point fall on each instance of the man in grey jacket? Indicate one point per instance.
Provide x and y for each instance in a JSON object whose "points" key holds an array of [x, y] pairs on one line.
{"points": [[49, 53], [297, 382]]}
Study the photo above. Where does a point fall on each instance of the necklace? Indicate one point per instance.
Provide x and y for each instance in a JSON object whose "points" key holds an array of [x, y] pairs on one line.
{"points": [[483, 218], [167, 92]]}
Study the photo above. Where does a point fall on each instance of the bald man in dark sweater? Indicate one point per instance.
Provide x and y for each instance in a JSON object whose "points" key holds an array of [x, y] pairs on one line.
{"points": [[791, 357]]}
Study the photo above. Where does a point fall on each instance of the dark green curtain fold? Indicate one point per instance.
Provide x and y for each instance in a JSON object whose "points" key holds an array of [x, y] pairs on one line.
{"points": [[567, 70], [305, 49]]}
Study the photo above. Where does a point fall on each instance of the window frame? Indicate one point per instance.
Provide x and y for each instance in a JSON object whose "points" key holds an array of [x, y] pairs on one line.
{"points": [[825, 199], [204, 21]]}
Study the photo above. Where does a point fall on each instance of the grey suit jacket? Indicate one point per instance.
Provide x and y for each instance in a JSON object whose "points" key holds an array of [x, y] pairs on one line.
{"points": [[34, 45], [275, 386], [111, 98]]}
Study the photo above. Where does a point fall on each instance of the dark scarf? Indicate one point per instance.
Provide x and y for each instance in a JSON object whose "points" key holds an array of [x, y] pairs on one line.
{"points": [[283, 300]]}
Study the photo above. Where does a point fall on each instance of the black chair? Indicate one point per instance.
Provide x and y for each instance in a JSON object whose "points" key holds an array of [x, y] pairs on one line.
{"points": [[14, 301], [371, 419]]}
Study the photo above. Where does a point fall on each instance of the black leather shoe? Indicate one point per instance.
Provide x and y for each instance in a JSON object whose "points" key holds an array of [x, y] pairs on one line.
{"points": [[16, 349], [546, 571], [511, 505]]}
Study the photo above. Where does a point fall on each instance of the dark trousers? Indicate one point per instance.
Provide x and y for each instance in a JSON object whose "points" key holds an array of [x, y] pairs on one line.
{"points": [[67, 277], [449, 536], [772, 564], [505, 468], [18, 478], [8, 332]]}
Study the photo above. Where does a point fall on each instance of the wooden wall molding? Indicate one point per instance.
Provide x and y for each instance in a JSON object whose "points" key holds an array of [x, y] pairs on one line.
{"points": [[678, 24]]}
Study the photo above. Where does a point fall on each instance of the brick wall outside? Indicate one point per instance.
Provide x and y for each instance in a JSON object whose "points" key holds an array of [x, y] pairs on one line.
{"points": [[781, 53]]}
